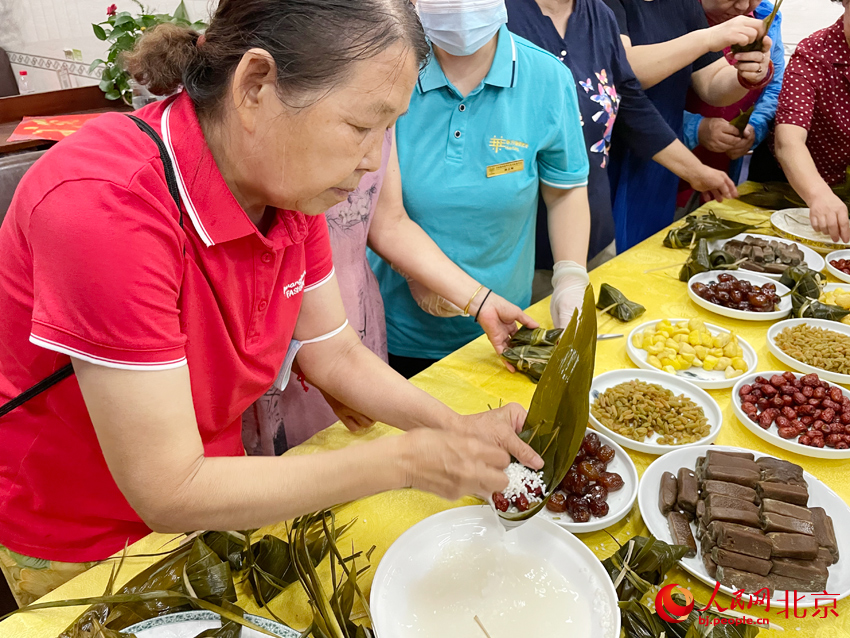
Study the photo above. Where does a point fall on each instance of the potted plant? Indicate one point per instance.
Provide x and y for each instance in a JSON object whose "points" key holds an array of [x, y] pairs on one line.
{"points": [[122, 29]]}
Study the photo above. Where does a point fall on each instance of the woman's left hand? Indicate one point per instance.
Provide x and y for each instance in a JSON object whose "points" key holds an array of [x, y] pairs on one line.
{"points": [[753, 66], [500, 426], [498, 317]]}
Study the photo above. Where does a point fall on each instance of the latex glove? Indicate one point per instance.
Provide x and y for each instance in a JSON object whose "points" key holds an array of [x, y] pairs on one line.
{"points": [[569, 281], [352, 419]]}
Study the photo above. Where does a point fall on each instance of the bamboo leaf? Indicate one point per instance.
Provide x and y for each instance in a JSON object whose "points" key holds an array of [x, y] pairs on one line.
{"points": [[616, 304]]}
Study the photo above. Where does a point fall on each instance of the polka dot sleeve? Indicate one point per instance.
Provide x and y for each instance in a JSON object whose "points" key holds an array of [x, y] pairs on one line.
{"points": [[798, 95]]}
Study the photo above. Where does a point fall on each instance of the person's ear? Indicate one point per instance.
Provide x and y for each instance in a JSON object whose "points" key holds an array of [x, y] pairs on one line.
{"points": [[254, 82]]}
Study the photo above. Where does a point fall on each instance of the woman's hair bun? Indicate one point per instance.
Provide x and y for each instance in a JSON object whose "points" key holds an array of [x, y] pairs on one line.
{"points": [[161, 57]]}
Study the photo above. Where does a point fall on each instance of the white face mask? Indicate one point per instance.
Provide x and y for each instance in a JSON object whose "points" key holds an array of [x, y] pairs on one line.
{"points": [[461, 27]]}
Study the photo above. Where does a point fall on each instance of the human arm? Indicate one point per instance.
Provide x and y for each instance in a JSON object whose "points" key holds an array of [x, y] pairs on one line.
{"points": [[679, 160], [827, 212], [401, 242], [767, 103], [719, 84]]}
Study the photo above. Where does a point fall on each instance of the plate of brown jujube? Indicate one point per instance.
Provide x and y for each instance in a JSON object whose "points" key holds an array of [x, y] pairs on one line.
{"points": [[752, 522], [800, 413]]}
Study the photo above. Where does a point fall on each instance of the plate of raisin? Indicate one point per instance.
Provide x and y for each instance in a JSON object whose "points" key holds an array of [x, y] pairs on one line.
{"points": [[599, 489]]}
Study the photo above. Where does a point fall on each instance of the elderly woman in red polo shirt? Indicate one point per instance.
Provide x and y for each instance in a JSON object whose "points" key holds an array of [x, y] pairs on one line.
{"points": [[813, 124], [175, 300]]}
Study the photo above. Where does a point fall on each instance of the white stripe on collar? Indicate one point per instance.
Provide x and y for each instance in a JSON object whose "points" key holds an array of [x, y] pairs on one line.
{"points": [[513, 47], [181, 186]]}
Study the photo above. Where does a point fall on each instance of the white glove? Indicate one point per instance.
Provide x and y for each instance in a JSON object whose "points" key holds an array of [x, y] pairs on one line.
{"points": [[428, 300], [569, 281]]}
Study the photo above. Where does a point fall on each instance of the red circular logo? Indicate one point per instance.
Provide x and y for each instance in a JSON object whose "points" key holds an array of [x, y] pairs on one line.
{"points": [[668, 609]]}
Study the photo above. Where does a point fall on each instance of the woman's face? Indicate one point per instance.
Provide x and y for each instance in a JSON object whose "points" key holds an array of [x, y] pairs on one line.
{"points": [[310, 159], [723, 10]]}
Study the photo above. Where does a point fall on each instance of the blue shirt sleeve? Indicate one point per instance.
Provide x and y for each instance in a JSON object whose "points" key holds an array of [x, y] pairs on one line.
{"points": [[768, 101], [691, 129], [563, 162]]}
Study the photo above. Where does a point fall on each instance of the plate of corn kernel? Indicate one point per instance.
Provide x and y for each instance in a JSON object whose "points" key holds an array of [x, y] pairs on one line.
{"points": [[703, 354], [837, 295]]}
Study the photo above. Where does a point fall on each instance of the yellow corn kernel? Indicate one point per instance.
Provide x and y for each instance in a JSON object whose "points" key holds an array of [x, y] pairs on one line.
{"points": [[695, 338], [656, 348], [707, 340], [731, 372], [846, 320], [739, 364], [672, 344], [686, 348], [659, 338], [723, 363], [667, 353], [687, 358], [667, 361], [842, 300], [653, 361], [696, 324], [721, 340], [716, 352], [710, 362], [669, 369], [730, 350], [680, 331], [637, 341], [696, 363], [702, 352]]}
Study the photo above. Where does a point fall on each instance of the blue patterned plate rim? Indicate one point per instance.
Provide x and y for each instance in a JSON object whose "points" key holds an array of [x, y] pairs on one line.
{"points": [[190, 616]]}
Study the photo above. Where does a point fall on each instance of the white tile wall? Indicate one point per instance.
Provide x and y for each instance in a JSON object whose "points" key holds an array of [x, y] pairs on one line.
{"points": [[47, 27]]}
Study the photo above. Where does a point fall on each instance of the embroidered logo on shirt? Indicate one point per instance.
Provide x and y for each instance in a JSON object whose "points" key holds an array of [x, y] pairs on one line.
{"points": [[499, 143], [295, 287]]}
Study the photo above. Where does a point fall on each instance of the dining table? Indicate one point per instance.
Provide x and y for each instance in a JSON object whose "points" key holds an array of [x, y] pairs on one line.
{"points": [[473, 379]]}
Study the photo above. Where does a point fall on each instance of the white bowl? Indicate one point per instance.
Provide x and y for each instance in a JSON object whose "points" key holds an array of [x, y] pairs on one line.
{"points": [[832, 270], [799, 366], [759, 280], [794, 224], [771, 435], [416, 552], [674, 384], [619, 503], [819, 496], [708, 380], [812, 259]]}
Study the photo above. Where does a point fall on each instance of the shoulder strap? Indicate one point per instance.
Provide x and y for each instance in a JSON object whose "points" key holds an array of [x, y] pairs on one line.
{"points": [[67, 370]]}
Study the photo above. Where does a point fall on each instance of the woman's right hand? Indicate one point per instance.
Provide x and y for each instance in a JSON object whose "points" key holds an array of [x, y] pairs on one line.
{"points": [[717, 135], [452, 465], [740, 30], [828, 214]]}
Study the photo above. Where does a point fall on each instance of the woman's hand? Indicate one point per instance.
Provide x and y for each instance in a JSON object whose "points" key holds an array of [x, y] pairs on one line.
{"points": [[828, 215], [500, 427], [740, 30], [744, 144], [714, 184], [498, 317], [753, 66], [717, 135], [569, 280], [352, 419]]}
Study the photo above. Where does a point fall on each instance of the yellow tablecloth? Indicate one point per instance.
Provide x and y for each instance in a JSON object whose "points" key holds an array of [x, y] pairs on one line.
{"points": [[472, 379]]}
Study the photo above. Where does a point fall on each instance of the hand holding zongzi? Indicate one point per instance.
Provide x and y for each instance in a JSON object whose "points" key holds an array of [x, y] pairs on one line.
{"points": [[754, 66], [738, 31]]}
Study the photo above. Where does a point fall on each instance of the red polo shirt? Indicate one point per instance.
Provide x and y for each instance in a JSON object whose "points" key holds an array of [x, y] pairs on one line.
{"points": [[94, 264]]}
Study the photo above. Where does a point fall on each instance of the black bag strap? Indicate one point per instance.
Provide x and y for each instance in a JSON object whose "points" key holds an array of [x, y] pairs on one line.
{"points": [[66, 371]]}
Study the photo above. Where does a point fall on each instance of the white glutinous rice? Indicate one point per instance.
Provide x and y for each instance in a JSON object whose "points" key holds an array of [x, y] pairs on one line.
{"points": [[522, 480]]}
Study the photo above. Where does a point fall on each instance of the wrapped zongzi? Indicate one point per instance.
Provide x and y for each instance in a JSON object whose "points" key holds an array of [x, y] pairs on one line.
{"points": [[535, 337], [708, 226], [617, 304], [530, 360], [700, 260], [758, 43]]}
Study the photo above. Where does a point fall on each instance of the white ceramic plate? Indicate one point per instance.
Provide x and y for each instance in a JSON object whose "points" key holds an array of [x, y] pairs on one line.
{"points": [[759, 280], [799, 366], [189, 624], [708, 380], [837, 254], [812, 259], [619, 503], [677, 386], [819, 496], [794, 224], [771, 435], [418, 549]]}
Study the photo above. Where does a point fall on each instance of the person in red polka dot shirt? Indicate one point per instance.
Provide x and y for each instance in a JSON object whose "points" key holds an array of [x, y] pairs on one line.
{"points": [[813, 124]]}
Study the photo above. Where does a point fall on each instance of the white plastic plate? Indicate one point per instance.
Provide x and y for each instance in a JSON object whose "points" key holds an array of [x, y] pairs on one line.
{"points": [[794, 224], [188, 624], [799, 366], [771, 435], [708, 380], [619, 503], [819, 496], [759, 280], [832, 270], [677, 386], [812, 259], [417, 550]]}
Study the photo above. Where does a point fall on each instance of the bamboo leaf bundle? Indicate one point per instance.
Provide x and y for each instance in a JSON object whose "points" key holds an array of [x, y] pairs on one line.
{"points": [[530, 360], [756, 45], [700, 260], [708, 226], [617, 304], [741, 120], [535, 337]]}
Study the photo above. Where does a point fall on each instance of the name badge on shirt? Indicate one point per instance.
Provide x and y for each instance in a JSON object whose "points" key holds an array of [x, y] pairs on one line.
{"points": [[503, 169]]}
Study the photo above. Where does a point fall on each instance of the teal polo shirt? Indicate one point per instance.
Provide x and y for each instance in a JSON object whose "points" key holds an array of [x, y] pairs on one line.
{"points": [[521, 126]]}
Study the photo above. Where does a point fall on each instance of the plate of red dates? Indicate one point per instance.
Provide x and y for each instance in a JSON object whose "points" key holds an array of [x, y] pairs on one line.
{"points": [[599, 490], [740, 295], [800, 413], [838, 264]]}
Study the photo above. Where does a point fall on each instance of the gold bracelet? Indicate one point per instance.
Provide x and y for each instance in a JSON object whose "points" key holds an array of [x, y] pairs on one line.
{"points": [[471, 299]]}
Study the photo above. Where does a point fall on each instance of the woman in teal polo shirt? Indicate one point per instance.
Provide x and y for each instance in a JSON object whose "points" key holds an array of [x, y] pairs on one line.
{"points": [[493, 124]]}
